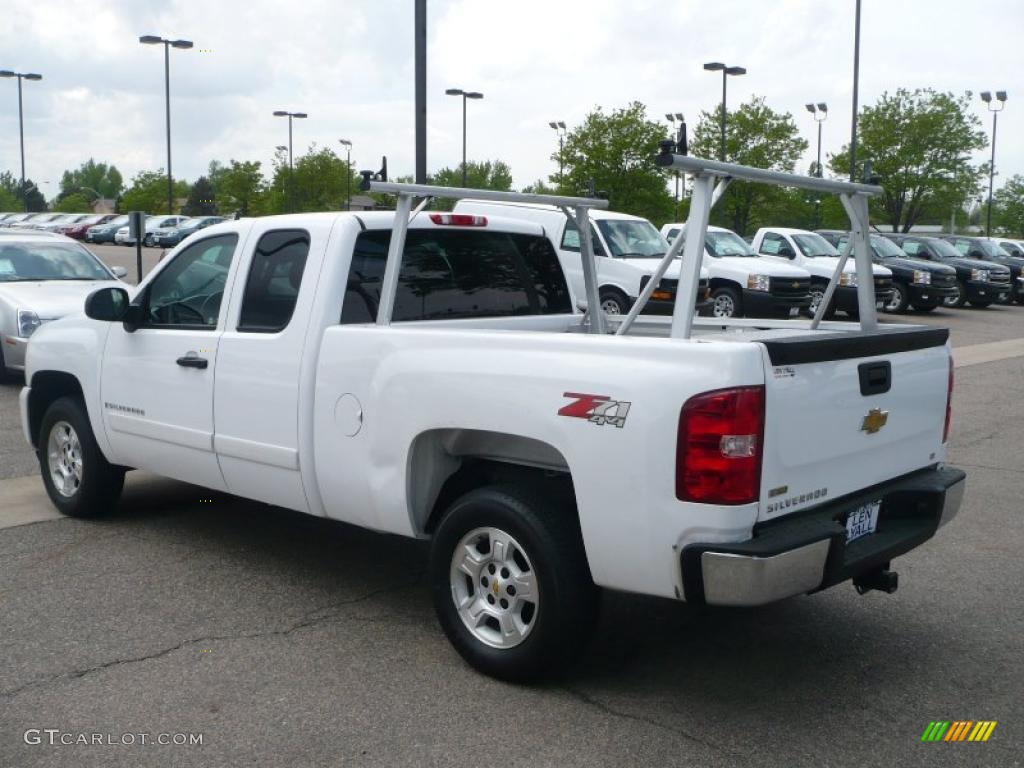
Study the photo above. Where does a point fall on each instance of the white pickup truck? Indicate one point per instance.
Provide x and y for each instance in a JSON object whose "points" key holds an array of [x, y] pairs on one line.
{"points": [[810, 251], [426, 374]]}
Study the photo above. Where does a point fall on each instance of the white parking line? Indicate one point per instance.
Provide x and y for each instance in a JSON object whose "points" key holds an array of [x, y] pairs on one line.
{"points": [[23, 501], [975, 354]]}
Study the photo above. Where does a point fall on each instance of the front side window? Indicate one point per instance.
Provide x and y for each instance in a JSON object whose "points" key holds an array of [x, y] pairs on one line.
{"points": [[28, 262], [187, 293], [771, 244], [912, 248], [457, 274], [274, 279], [571, 238], [962, 246]]}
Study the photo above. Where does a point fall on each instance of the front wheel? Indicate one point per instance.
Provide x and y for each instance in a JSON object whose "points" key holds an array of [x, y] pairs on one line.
{"points": [[510, 582], [924, 307], [725, 302], [147, 241], [817, 294], [78, 479], [960, 298], [613, 302], [897, 303]]}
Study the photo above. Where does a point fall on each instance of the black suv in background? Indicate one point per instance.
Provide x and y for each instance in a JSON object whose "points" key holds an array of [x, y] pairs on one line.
{"points": [[989, 250], [924, 285], [978, 282]]}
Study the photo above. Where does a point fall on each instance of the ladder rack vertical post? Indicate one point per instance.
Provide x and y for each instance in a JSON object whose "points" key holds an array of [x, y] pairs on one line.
{"points": [[693, 255], [389, 285]]}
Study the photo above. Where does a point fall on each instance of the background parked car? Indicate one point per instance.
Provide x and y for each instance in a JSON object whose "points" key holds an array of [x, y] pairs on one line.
{"points": [[167, 237], [104, 232], [988, 250], [64, 219], [79, 228], [33, 220], [153, 223], [977, 282], [42, 277], [1012, 247]]}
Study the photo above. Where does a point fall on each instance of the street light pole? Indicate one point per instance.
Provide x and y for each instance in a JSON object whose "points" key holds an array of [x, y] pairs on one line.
{"points": [[856, 87], [291, 178], [715, 66], [816, 109], [559, 128], [168, 44], [21, 124], [986, 96], [465, 95], [348, 172], [672, 117]]}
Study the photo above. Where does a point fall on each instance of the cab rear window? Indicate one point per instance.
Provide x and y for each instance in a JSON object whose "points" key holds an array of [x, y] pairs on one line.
{"points": [[457, 274]]}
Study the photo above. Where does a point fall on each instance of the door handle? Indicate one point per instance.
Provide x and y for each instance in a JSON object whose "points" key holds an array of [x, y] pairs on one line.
{"points": [[192, 360]]}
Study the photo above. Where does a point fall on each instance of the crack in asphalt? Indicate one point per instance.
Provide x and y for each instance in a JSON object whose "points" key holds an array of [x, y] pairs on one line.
{"points": [[311, 618], [607, 709]]}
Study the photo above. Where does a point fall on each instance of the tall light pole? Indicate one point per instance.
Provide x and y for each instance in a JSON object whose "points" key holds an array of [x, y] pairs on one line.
{"points": [[672, 117], [348, 172], [291, 181], [465, 95], [716, 66], [856, 87], [995, 110], [821, 108], [168, 44], [21, 123], [559, 127]]}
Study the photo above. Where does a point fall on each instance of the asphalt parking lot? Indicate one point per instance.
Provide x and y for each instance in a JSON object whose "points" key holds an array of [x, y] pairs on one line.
{"points": [[289, 640]]}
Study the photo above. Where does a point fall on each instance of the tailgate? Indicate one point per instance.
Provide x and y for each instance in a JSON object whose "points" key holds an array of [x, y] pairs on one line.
{"points": [[846, 411]]}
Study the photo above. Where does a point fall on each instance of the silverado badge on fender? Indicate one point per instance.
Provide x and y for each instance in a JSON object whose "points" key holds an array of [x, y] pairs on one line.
{"points": [[599, 409], [874, 421]]}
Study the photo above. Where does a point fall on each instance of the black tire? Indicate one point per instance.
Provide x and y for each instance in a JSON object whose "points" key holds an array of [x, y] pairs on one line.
{"points": [[99, 488], [548, 533], [147, 241], [819, 289], [961, 297], [726, 302], [981, 304], [613, 301], [924, 307], [899, 300]]}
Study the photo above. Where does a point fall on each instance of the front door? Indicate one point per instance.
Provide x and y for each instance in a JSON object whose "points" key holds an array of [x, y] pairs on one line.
{"points": [[157, 381]]}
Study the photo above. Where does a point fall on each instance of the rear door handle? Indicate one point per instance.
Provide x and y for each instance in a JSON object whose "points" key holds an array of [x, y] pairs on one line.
{"points": [[192, 360]]}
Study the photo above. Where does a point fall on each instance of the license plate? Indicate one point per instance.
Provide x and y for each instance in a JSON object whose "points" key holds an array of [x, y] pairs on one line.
{"points": [[862, 521], [794, 311]]}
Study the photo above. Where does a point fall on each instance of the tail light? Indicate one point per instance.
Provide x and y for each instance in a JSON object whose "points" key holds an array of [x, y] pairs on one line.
{"points": [[949, 404], [719, 446], [458, 220]]}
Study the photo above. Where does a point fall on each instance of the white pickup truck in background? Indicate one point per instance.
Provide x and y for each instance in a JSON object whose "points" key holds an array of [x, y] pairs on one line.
{"points": [[428, 375], [628, 248], [742, 283], [812, 252]]}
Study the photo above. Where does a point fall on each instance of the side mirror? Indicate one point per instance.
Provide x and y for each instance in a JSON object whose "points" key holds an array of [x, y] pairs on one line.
{"points": [[107, 304], [119, 272], [787, 252]]}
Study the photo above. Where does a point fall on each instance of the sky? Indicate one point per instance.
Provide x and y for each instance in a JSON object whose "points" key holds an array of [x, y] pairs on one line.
{"points": [[349, 65]]}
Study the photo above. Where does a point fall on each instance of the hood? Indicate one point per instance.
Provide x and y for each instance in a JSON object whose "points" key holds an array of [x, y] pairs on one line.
{"points": [[851, 266], [647, 266], [51, 299], [969, 263], [758, 265], [921, 264]]}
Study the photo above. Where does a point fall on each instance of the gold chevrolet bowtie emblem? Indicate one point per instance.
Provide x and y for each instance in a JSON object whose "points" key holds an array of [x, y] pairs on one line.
{"points": [[874, 421], [796, 285]]}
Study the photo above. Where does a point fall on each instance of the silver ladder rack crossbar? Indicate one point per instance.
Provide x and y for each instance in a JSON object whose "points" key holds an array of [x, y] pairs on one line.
{"points": [[404, 214], [705, 173]]}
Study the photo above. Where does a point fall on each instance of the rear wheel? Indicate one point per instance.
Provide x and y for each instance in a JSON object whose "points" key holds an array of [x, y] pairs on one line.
{"points": [[897, 303], [725, 302], [78, 479], [960, 298], [613, 301], [510, 583]]}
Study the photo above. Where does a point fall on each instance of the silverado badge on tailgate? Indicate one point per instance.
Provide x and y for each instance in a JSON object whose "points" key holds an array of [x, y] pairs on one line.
{"points": [[599, 409]]}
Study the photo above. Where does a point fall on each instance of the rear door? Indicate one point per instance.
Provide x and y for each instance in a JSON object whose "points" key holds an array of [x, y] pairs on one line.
{"points": [[844, 412]]}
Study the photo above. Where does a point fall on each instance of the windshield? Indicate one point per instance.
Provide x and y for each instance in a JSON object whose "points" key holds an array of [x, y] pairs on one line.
{"points": [[726, 244], [992, 249], [631, 238], [886, 247], [812, 245], [48, 261], [945, 250]]}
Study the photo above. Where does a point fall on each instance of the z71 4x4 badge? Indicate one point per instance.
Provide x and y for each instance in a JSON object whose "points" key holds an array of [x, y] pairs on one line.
{"points": [[599, 409]]}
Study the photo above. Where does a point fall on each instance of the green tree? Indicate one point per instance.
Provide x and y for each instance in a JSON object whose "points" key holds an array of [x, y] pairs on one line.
{"points": [[10, 202], [919, 142], [201, 200], [755, 135], [1008, 204], [318, 182], [94, 179], [239, 186], [614, 153], [73, 203], [488, 174], [540, 187], [148, 192]]}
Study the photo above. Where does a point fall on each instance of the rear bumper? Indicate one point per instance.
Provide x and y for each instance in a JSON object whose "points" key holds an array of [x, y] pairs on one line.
{"points": [[809, 552]]}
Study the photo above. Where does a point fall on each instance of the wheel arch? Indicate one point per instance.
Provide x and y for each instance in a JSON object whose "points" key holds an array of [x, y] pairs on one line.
{"points": [[47, 387]]}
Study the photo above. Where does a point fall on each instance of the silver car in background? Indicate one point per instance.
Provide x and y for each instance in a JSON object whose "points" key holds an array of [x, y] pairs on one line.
{"points": [[43, 277]]}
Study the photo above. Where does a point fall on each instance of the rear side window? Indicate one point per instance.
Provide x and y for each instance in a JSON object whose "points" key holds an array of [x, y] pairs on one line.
{"points": [[457, 274], [274, 279]]}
